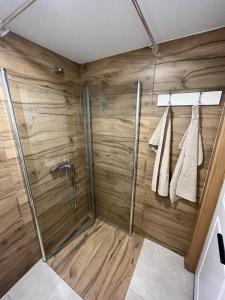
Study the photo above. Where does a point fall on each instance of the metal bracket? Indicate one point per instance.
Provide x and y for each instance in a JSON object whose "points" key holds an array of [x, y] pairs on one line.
{"points": [[3, 29], [154, 46], [155, 49]]}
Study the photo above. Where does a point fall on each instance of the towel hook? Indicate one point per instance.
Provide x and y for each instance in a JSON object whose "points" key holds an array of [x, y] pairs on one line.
{"points": [[200, 97]]}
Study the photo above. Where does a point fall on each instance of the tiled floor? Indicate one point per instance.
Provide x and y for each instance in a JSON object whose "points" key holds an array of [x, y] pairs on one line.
{"points": [[99, 263], [41, 283], [160, 275]]}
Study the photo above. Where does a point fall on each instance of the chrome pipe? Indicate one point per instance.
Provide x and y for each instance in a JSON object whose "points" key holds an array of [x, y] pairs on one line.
{"points": [[67, 166], [135, 155], [21, 157], [16, 12], [72, 194], [154, 45]]}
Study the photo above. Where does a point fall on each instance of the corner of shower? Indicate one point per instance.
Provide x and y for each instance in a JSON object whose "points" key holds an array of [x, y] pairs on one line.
{"points": [[115, 118], [58, 172]]}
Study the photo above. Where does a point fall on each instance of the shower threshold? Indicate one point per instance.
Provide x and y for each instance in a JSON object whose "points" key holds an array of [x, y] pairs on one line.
{"points": [[82, 226]]}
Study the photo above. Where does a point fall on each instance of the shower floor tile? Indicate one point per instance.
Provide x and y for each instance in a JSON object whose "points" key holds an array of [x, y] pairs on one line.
{"points": [[103, 263], [98, 264], [160, 275], [41, 283]]}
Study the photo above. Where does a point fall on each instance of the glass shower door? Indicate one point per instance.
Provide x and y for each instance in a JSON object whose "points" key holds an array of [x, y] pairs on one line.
{"points": [[50, 124], [113, 130]]}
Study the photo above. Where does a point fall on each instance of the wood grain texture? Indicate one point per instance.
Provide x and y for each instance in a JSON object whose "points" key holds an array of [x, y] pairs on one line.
{"points": [[209, 201], [51, 130], [192, 62], [49, 118], [99, 263], [112, 153], [18, 246], [187, 64]]}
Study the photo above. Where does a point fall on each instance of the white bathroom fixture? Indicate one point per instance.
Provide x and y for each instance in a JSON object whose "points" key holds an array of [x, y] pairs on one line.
{"points": [[186, 99]]}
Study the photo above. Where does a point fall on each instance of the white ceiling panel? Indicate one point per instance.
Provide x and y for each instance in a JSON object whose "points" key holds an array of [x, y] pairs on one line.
{"points": [[178, 18], [85, 30]]}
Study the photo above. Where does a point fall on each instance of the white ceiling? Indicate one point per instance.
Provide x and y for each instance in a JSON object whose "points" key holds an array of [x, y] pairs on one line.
{"points": [[85, 30]]}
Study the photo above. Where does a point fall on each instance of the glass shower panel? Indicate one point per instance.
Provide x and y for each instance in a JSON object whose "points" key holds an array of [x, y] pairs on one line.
{"points": [[50, 126], [113, 126]]}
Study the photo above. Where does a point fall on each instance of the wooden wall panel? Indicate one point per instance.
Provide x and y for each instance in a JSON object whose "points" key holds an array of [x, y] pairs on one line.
{"points": [[49, 117], [192, 62], [113, 134], [195, 62]]}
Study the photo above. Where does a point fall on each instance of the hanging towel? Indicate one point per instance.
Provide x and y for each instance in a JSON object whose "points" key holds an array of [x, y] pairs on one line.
{"points": [[184, 180], [160, 143]]}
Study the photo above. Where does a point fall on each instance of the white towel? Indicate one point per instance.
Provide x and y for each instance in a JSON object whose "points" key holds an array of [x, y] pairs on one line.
{"points": [[184, 180], [160, 143]]}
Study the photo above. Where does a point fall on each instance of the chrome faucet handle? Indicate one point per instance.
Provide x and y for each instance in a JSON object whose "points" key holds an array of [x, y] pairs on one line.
{"points": [[65, 164], [68, 164]]}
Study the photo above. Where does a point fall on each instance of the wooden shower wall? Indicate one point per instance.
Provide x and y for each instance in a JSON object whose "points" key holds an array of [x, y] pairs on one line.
{"points": [[43, 100], [195, 62], [113, 122]]}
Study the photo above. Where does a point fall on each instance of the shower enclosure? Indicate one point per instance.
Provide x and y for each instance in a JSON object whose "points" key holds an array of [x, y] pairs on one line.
{"points": [[77, 155]]}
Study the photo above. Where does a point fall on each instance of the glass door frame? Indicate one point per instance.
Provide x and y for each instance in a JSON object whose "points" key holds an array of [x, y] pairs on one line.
{"points": [[135, 156], [21, 158], [88, 220]]}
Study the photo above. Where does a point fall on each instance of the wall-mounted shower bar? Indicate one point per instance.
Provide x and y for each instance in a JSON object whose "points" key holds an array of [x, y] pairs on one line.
{"points": [[154, 45], [13, 15]]}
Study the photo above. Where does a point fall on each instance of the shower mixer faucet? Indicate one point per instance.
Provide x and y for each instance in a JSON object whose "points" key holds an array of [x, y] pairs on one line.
{"points": [[62, 165], [67, 166]]}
